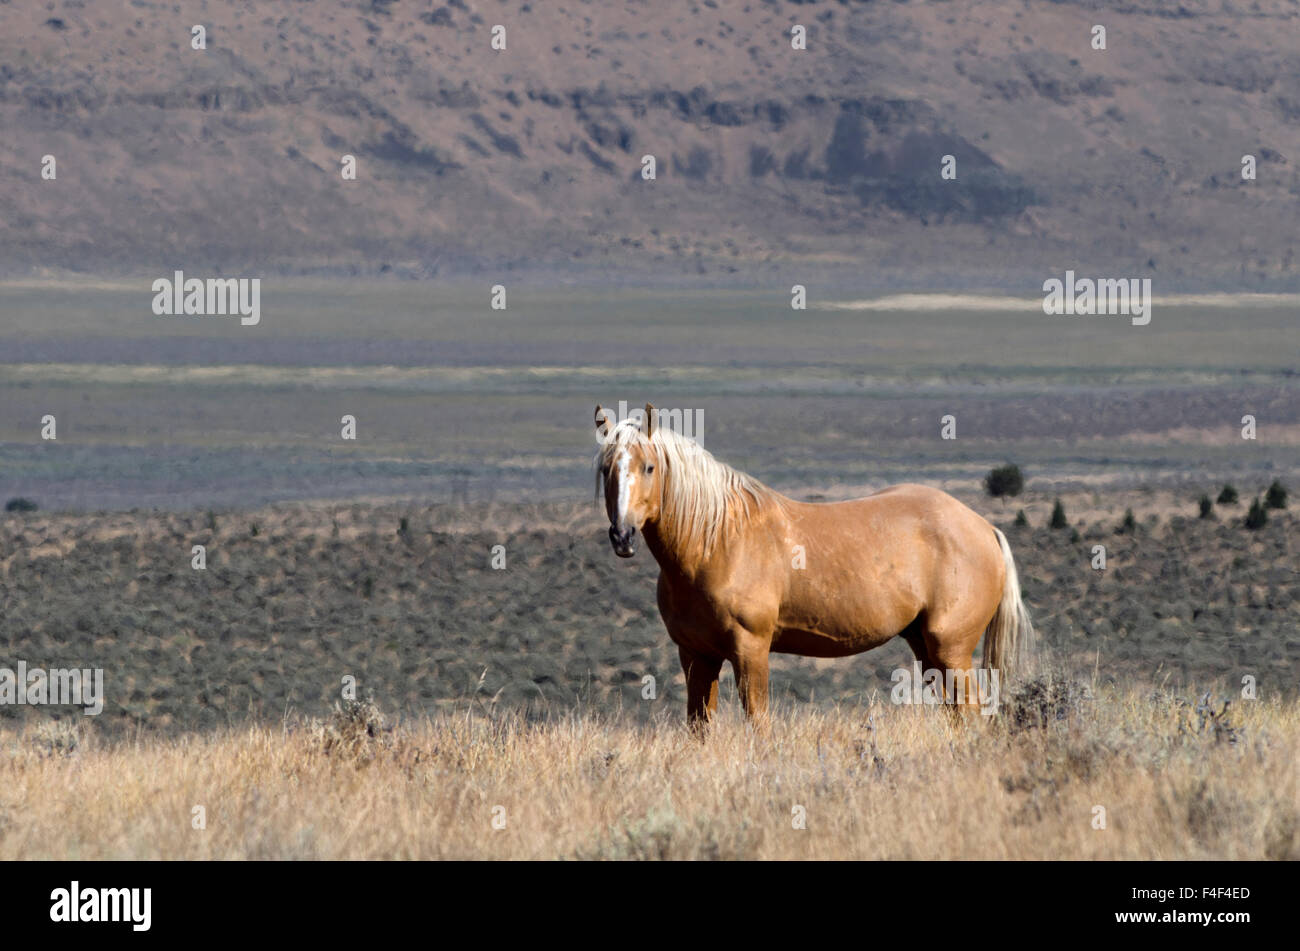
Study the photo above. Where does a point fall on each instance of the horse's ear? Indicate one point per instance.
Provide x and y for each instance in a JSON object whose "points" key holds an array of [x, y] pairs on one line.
{"points": [[603, 422], [650, 415]]}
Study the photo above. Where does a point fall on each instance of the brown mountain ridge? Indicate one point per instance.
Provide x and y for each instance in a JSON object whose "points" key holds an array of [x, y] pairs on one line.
{"points": [[769, 160]]}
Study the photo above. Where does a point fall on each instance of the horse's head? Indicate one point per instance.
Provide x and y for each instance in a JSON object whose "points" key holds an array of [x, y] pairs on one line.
{"points": [[630, 475]]}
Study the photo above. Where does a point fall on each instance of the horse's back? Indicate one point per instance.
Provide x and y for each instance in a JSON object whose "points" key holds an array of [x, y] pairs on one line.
{"points": [[915, 493], [905, 503], [943, 526]]}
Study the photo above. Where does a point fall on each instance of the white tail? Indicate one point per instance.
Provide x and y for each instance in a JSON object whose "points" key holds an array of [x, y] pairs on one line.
{"points": [[1009, 638]]}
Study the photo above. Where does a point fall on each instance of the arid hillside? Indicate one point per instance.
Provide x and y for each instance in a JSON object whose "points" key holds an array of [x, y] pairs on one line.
{"points": [[770, 161]]}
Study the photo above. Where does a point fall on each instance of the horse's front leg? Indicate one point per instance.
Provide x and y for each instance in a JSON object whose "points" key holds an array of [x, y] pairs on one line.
{"points": [[701, 673], [750, 662]]}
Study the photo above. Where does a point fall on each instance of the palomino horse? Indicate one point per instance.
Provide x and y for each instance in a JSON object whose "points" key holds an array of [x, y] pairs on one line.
{"points": [[745, 570]]}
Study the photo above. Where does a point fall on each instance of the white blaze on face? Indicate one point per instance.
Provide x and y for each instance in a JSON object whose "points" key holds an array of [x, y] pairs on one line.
{"points": [[624, 486]]}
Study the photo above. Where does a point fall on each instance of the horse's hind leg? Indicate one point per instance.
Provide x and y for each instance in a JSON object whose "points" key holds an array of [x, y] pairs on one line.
{"points": [[952, 655]]}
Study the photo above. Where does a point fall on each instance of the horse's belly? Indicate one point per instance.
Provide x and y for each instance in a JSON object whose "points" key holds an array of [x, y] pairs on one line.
{"points": [[836, 620], [816, 643]]}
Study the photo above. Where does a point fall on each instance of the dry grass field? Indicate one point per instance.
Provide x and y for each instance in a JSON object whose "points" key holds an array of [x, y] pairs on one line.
{"points": [[874, 781]]}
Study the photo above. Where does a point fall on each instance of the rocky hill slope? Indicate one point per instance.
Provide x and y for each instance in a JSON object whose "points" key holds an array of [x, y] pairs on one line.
{"points": [[770, 160]]}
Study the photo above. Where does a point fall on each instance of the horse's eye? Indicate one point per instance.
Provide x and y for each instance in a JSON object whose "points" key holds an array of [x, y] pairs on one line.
{"points": [[649, 469]]}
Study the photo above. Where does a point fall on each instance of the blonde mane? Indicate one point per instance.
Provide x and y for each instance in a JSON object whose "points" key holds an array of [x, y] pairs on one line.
{"points": [[699, 494]]}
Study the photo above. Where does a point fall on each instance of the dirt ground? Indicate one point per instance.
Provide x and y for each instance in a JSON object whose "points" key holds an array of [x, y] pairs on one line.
{"points": [[404, 599]]}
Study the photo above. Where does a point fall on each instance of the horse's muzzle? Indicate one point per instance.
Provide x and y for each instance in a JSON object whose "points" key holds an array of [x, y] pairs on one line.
{"points": [[624, 542]]}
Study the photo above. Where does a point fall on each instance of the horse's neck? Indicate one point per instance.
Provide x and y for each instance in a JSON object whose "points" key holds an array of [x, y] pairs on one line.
{"points": [[674, 555], [685, 556], [677, 553]]}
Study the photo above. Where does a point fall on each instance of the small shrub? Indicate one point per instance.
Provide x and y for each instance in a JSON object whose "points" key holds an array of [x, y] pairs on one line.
{"points": [[1228, 496], [404, 526], [1257, 517], [1050, 697], [1003, 481], [662, 835], [1058, 516], [356, 731], [57, 737], [255, 531], [1021, 521], [20, 505], [1207, 507], [1129, 525], [1205, 721], [1275, 497]]}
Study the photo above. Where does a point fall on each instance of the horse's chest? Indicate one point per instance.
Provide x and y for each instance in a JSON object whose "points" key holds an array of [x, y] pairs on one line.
{"points": [[698, 617]]}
